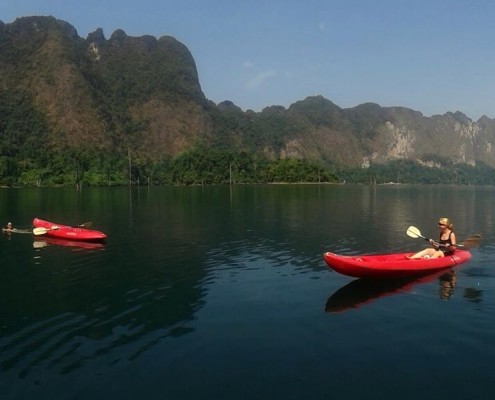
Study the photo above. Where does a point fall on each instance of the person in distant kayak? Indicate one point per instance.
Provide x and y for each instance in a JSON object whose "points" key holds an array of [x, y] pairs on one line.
{"points": [[445, 245], [8, 228]]}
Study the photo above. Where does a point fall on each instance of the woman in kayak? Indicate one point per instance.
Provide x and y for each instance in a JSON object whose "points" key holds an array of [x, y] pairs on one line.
{"points": [[445, 245]]}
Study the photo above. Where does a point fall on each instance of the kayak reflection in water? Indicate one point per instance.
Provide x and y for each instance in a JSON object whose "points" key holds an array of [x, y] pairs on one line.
{"points": [[447, 284], [445, 245], [363, 291]]}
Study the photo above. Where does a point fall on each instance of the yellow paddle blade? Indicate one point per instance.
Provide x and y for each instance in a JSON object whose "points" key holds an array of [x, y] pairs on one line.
{"points": [[42, 231], [39, 231], [414, 232]]}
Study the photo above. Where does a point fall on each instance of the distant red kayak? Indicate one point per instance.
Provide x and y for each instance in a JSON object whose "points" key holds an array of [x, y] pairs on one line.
{"points": [[391, 265], [59, 231]]}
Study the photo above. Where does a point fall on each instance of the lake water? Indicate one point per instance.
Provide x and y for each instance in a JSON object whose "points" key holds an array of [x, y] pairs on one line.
{"points": [[222, 293]]}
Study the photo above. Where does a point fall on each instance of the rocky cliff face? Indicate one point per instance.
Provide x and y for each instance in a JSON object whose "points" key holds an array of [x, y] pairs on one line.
{"points": [[141, 95], [372, 134], [451, 136]]}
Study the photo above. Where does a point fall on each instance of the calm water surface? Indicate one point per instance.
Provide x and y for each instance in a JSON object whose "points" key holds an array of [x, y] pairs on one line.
{"points": [[218, 292]]}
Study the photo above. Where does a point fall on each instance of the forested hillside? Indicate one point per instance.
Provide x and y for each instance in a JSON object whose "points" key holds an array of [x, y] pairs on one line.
{"points": [[130, 110]]}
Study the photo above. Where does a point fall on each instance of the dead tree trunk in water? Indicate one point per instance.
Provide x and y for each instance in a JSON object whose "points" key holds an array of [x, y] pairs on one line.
{"points": [[129, 161]]}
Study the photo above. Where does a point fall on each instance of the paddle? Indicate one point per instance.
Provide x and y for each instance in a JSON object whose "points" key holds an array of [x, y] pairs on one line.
{"points": [[471, 241], [43, 231]]}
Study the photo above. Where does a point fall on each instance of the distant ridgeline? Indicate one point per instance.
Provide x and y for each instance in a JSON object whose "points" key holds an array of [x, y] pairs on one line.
{"points": [[130, 110]]}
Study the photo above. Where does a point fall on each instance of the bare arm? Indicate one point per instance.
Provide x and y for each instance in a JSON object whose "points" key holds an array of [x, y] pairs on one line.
{"points": [[453, 239]]}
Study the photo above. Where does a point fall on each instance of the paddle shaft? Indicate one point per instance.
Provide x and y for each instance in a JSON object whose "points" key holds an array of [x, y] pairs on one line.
{"points": [[42, 231], [414, 232]]}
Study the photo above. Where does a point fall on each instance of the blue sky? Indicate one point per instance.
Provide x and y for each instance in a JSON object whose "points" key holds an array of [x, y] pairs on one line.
{"points": [[433, 56]]}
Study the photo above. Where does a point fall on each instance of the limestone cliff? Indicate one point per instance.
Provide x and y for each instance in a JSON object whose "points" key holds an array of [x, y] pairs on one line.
{"points": [[140, 97]]}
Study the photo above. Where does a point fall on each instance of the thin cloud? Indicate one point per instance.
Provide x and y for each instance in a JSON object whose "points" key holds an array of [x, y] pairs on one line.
{"points": [[322, 27], [247, 65], [289, 74], [260, 79]]}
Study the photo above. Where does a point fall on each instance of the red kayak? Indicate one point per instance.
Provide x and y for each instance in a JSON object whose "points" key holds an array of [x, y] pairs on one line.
{"points": [[58, 231], [391, 265]]}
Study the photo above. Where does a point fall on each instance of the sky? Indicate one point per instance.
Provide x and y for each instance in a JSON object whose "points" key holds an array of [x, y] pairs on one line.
{"points": [[433, 56]]}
